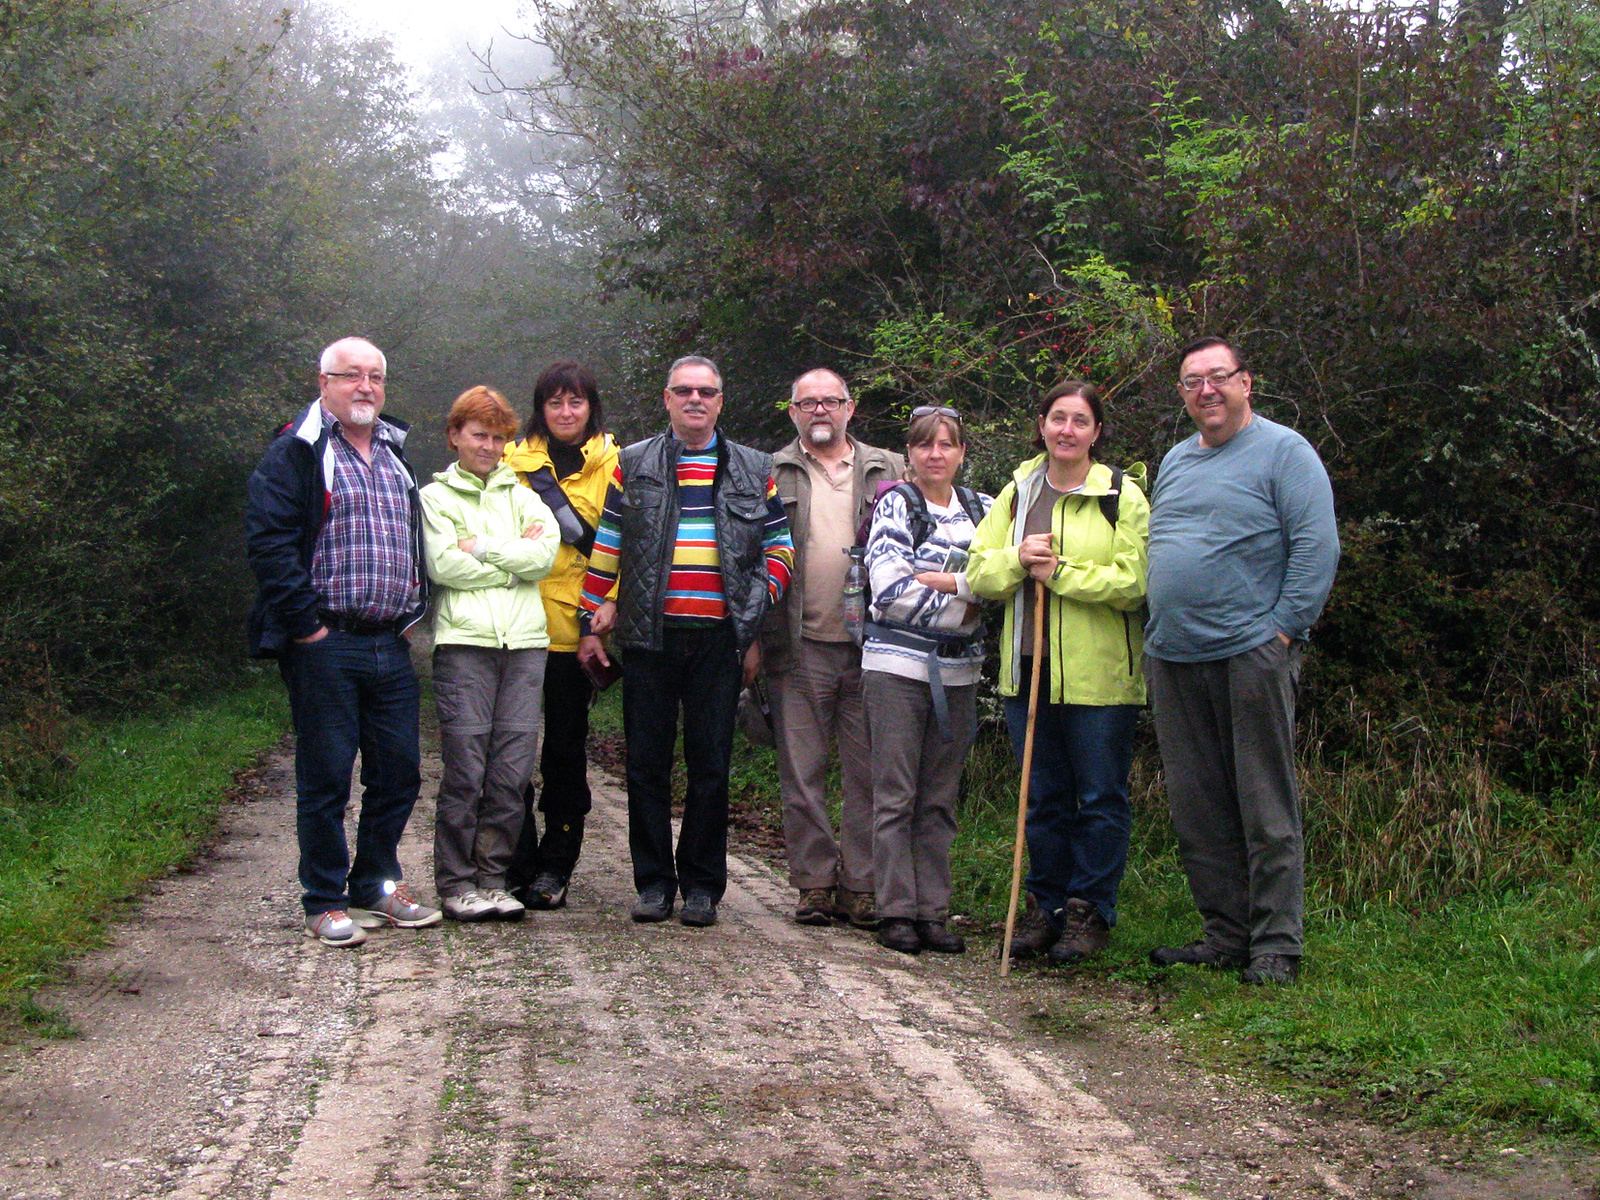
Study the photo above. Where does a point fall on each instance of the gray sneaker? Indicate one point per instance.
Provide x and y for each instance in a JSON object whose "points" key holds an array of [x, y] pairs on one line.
{"points": [[468, 906], [506, 906], [396, 908], [334, 928]]}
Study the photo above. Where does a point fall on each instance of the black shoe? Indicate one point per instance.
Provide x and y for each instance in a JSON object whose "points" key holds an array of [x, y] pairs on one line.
{"points": [[548, 890], [899, 934], [1271, 968], [1197, 954], [653, 904], [699, 910], [1033, 934], [934, 936], [1084, 933]]}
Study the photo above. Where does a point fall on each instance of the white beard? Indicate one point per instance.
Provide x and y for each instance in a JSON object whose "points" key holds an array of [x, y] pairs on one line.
{"points": [[820, 435], [363, 412]]}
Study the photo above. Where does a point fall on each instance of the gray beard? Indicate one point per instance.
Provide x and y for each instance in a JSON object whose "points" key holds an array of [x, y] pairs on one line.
{"points": [[363, 413], [820, 435]]}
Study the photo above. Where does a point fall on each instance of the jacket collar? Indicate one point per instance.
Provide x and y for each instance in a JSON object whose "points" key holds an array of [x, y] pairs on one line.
{"points": [[309, 427]]}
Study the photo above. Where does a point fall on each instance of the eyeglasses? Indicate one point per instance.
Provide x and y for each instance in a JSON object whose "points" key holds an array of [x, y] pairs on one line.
{"points": [[825, 403], [375, 378], [935, 410], [1191, 383], [683, 391]]}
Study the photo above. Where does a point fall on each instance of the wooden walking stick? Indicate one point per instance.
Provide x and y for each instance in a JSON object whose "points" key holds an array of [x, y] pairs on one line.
{"points": [[1027, 772]]}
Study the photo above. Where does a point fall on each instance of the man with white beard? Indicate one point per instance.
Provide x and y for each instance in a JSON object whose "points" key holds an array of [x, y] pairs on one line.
{"points": [[333, 528], [827, 481]]}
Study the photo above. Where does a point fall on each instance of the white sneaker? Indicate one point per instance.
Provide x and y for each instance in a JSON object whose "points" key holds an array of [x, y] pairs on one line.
{"points": [[506, 906], [469, 906]]}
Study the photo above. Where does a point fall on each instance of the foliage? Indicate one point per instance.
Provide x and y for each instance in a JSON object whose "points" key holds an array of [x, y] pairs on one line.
{"points": [[967, 201], [146, 794], [193, 201]]}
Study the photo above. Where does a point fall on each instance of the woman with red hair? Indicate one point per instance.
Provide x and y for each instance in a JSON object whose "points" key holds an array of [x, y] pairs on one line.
{"points": [[488, 541]]}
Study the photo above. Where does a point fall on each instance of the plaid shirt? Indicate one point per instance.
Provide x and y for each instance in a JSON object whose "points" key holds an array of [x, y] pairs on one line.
{"points": [[363, 563]]}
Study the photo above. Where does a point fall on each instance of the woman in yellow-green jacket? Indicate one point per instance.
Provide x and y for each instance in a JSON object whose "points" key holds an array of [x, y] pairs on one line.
{"points": [[568, 459], [488, 543], [1081, 528]]}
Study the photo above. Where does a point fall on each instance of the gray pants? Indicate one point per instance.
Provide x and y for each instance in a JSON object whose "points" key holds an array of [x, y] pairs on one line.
{"points": [[815, 703], [1226, 730], [916, 777], [489, 705]]}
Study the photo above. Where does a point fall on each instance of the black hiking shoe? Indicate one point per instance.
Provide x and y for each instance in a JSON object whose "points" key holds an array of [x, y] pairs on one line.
{"points": [[1271, 968], [1197, 954], [897, 933], [653, 904], [548, 890], [699, 910], [934, 936]]}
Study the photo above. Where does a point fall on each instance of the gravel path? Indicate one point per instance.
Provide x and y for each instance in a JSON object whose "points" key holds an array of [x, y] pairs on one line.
{"points": [[577, 1055]]}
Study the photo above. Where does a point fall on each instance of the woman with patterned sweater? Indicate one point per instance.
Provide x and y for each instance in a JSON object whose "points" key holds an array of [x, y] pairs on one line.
{"points": [[920, 663]]}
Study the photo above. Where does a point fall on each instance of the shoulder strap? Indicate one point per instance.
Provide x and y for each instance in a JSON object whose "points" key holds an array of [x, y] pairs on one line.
{"points": [[1111, 503], [916, 511], [970, 502]]}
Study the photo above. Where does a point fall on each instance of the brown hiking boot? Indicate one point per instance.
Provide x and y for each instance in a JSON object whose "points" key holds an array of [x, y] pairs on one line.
{"points": [[859, 908], [935, 936], [1033, 933], [815, 907], [1084, 932]]}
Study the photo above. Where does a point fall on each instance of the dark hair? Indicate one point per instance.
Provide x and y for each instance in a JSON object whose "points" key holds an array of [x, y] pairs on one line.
{"points": [[1205, 343], [1072, 387], [565, 377]]}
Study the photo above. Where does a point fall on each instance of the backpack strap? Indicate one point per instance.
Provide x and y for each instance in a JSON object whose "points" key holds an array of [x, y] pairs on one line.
{"points": [[1110, 503]]}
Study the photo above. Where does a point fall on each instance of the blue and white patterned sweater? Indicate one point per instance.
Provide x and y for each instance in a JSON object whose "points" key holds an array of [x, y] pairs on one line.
{"points": [[900, 602]]}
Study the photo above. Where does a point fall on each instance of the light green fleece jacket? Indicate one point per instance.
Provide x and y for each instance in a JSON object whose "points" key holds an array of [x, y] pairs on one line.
{"points": [[488, 596], [1094, 624]]}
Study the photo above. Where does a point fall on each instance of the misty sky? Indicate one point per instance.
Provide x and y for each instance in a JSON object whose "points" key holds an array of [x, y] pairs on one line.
{"points": [[424, 30]]}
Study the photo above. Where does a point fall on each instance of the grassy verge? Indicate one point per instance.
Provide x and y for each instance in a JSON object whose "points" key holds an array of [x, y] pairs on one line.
{"points": [[143, 795], [1470, 1006], [1453, 944]]}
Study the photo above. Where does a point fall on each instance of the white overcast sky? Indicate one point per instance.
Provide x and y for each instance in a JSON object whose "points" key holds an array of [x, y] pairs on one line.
{"points": [[425, 30]]}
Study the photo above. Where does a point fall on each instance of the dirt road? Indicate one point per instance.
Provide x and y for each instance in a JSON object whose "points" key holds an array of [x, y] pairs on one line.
{"points": [[578, 1055]]}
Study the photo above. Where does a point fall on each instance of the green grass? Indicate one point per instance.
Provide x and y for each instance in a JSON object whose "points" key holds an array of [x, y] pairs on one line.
{"points": [[1472, 1006], [144, 794]]}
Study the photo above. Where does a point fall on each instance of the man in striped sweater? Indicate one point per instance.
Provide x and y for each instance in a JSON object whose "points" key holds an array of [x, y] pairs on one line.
{"points": [[691, 550]]}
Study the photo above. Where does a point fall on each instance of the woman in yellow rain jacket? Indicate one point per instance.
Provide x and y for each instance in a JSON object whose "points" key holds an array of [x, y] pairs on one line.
{"points": [[1081, 528], [565, 456]]}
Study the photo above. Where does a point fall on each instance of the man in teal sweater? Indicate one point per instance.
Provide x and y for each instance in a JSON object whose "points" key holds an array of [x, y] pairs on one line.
{"points": [[1243, 549]]}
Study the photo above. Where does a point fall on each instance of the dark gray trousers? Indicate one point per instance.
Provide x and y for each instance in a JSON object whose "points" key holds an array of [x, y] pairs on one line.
{"points": [[1226, 731], [488, 702]]}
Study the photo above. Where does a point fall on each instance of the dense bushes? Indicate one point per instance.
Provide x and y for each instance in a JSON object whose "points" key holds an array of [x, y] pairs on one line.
{"points": [[1390, 209]]}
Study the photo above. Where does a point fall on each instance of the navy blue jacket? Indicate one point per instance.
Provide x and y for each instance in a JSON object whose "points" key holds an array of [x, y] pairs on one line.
{"points": [[286, 502]]}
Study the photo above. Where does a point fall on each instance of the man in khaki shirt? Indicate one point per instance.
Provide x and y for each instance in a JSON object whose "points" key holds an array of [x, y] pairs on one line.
{"points": [[827, 481]]}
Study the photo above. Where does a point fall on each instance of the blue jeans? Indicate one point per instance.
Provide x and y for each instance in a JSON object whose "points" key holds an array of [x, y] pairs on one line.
{"points": [[351, 692], [1078, 814], [697, 669]]}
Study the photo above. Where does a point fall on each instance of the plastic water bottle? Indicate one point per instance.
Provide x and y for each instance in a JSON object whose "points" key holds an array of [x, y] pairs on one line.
{"points": [[855, 594]]}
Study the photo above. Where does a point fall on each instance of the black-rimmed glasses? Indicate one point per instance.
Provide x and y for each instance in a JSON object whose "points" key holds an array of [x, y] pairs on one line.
{"points": [[1191, 383], [823, 403]]}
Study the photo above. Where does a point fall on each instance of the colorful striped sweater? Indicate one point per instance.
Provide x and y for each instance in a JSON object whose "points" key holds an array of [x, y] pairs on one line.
{"points": [[694, 589]]}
